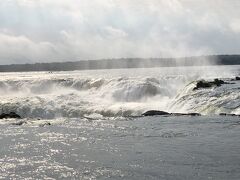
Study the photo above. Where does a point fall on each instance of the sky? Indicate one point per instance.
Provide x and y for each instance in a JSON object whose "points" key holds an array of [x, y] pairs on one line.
{"points": [[70, 30]]}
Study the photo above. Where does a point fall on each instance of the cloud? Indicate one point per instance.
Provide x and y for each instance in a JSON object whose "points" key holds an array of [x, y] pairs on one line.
{"points": [[63, 30], [114, 32], [22, 49], [235, 26]]}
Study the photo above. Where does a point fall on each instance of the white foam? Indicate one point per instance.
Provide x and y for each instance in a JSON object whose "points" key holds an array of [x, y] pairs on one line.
{"points": [[106, 92], [224, 99]]}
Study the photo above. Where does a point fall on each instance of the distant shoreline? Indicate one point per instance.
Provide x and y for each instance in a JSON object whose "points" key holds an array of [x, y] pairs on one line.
{"points": [[124, 63]]}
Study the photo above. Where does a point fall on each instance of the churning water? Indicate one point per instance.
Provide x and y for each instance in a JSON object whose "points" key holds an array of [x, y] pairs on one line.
{"points": [[111, 93]]}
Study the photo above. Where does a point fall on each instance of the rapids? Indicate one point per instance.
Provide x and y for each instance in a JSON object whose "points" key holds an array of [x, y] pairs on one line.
{"points": [[110, 93]]}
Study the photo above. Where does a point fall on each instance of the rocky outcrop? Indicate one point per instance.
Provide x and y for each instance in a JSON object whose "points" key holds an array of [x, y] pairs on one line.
{"points": [[237, 78], [225, 114], [163, 113], [20, 123], [10, 115], [185, 114], [45, 124], [208, 84], [155, 113]]}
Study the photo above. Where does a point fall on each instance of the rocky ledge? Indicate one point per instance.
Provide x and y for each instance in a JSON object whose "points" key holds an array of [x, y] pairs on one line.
{"points": [[236, 79], [163, 113], [201, 84], [208, 84], [226, 114], [9, 115]]}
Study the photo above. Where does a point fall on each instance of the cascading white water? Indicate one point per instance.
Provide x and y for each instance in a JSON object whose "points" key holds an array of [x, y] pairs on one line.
{"points": [[216, 100], [114, 92]]}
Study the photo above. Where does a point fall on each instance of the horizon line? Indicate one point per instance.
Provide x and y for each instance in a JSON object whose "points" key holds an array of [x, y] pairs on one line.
{"points": [[149, 58]]}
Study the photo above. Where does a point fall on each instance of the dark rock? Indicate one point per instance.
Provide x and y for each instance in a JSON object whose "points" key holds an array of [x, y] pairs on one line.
{"points": [[194, 114], [237, 78], [155, 113], [179, 114], [202, 84], [222, 114], [225, 114], [185, 114], [10, 115], [208, 84], [18, 123], [45, 124], [217, 82], [162, 113]]}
